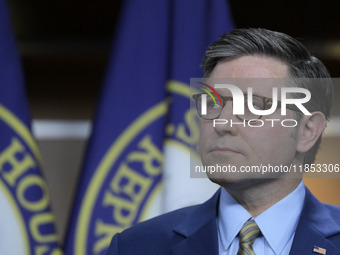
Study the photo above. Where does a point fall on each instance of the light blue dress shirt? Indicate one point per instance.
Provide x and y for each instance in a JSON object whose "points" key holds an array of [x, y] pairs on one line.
{"points": [[277, 224]]}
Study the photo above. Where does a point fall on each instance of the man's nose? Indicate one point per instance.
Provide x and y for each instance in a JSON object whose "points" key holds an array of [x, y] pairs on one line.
{"points": [[224, 124], [227, 110]]}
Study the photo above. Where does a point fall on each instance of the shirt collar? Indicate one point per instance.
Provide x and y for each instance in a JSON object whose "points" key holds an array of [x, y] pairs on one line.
{"points": [[277, 224], [231, 217]]}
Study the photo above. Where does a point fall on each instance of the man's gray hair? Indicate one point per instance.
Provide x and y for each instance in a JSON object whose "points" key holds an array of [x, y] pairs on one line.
{"points": [[308, 71]]}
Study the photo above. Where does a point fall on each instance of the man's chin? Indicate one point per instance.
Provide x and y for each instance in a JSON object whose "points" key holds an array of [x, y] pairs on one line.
{"points": [[237, 182], [239, 177], [226, 178]]}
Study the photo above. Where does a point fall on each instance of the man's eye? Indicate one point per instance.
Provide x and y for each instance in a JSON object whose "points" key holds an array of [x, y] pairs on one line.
{"points": [[257, 103], [258, 106], [210, 103], [216, 106], [269, 105]]}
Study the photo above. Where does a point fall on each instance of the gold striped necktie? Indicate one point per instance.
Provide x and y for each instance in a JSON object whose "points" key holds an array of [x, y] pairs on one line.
{"points": [[247, 236]]}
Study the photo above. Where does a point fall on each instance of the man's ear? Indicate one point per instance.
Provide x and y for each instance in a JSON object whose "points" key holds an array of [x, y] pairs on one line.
{"points": [[310, 129]]}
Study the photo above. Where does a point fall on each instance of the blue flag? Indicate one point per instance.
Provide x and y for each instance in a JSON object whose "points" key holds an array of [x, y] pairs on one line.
{"points": [[143, 116], [27, 224]]}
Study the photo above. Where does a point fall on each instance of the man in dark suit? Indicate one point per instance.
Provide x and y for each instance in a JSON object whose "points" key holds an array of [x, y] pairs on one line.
{"points": [[252, 213]]}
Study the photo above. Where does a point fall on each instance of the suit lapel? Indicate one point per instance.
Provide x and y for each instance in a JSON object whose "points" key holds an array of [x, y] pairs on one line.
{"points": [[201, 242], [199, 230], [315, 226], [307, 238]]}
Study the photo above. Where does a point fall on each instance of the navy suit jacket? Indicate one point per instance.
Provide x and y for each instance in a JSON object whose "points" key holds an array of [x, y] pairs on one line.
{"points": [[193, 230]]}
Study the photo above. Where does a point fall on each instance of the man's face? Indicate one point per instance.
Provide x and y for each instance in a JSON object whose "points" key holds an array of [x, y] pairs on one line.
{"points": [[247, 146]]}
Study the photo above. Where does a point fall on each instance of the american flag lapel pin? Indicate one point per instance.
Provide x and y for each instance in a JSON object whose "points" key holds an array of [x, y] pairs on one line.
{"points": [[319, 250]]}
